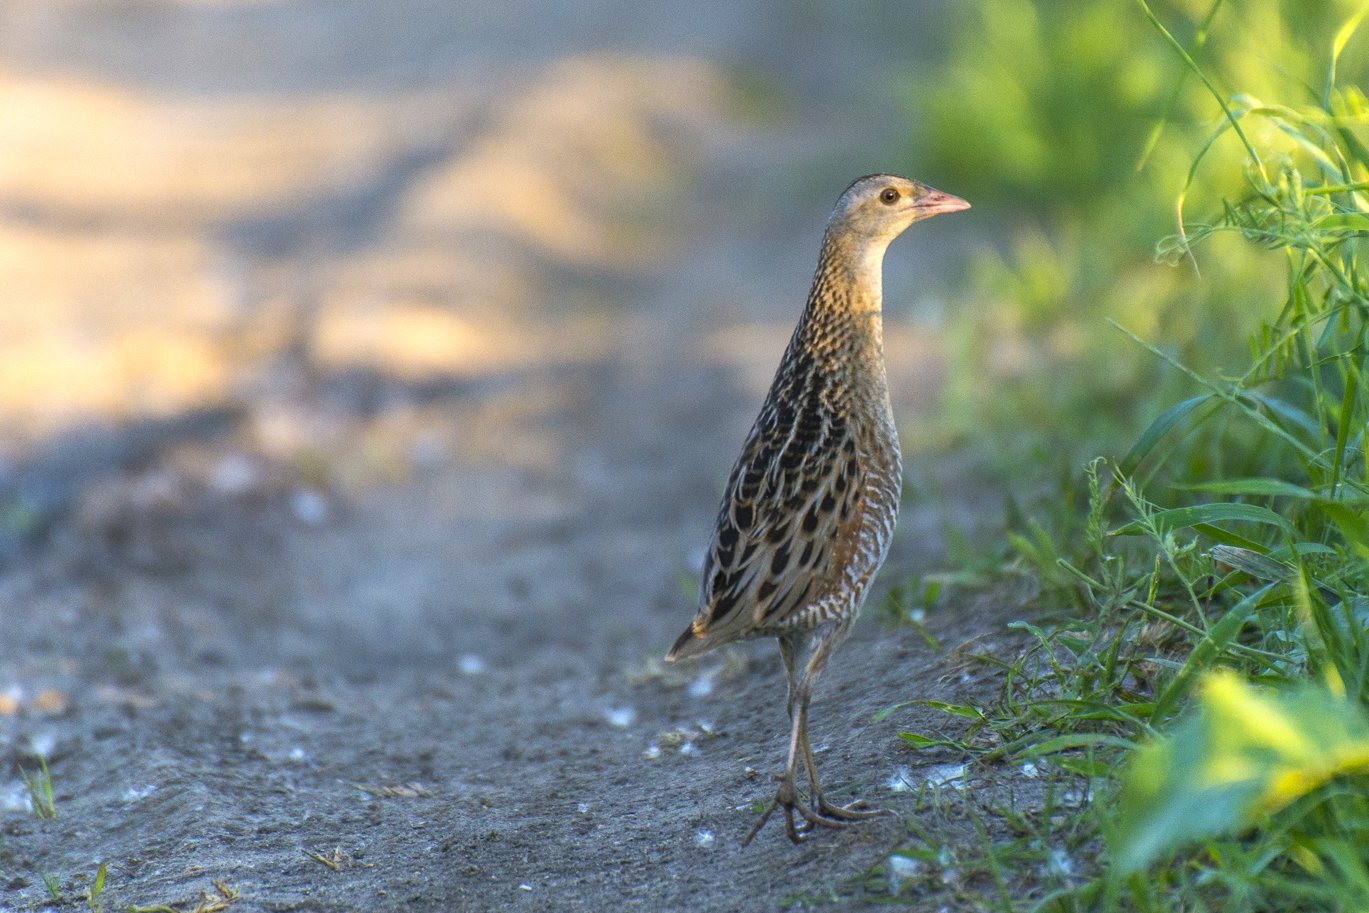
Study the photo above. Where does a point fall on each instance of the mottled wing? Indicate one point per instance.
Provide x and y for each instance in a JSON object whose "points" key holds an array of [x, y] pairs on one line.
{"points": [[785, 527]]}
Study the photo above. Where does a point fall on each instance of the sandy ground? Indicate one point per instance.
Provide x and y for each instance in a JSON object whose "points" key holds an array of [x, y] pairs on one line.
{"points": [[369, 375]]}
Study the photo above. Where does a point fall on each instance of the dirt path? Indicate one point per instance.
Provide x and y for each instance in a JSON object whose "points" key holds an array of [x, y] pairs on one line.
{"points": [[364, 610]]}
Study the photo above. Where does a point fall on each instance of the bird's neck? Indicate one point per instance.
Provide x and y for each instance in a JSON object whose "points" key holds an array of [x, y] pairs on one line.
{"points": [[851, 273], [844, 313]]}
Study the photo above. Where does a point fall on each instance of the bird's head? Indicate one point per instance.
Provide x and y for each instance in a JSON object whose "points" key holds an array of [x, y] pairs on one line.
{"points": [[878, 207]]}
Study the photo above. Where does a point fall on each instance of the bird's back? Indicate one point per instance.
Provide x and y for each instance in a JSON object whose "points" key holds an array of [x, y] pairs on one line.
{"points": [[810, 506]]}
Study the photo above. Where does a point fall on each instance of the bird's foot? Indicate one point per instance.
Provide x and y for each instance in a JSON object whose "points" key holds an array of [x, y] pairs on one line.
{"points": [[858, 810], [823, 814]]}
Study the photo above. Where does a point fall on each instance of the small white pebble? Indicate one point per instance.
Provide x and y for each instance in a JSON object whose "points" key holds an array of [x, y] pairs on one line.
{"points": [[15, 797], [704, 839], [470, 664], [297, 754], [900, 782], [689, 748], [235, 474], [309, 506], [137, 793], [703, 685], [42, 744], [620, 717], [652, 752], [900, 868], [583, 808], [1030, 770], [917, 615], [1060, 863], [525, 887], [944, 774]]}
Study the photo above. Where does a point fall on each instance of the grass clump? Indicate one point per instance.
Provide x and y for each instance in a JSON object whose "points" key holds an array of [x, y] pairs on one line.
{"points": [[1068, 125], [39, 784], [1195, 710]]}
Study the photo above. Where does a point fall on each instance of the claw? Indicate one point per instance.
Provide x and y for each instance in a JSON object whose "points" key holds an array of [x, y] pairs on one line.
{"points": [[821, 814], [858, 810], [760, 823]]}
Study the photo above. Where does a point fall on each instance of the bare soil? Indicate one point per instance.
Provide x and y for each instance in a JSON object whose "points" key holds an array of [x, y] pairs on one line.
{"points": [[373, 372]]}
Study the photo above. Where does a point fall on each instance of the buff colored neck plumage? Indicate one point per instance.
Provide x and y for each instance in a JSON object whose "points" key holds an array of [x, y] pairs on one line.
{"points": [[842, 325]]}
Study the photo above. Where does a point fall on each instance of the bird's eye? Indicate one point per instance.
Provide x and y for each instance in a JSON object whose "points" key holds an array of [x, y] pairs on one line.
{"points": [[889, 196]]}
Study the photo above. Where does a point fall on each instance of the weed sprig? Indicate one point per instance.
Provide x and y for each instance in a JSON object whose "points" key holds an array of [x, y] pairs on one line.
{"points": [[1208, 691]]}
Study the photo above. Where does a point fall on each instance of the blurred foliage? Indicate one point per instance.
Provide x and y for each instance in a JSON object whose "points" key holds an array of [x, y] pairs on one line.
{"points": [[1222, 548], [1243, 754], [1072, 127]]}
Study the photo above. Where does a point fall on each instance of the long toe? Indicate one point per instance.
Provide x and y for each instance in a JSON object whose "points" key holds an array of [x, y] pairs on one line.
{"points": [[796, 832], [825, 814], [858, 810], [799, 819], [812, 819], [765, 816]]}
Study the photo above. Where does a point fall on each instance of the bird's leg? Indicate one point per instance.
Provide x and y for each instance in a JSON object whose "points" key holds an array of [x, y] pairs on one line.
{"points": [[787, 794], [857, 810], [854, 811], [789, 649], [821, 813], [787, 798]]}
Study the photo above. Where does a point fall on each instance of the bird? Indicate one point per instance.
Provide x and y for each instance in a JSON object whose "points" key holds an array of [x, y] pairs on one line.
{"points": [[809, 509]]}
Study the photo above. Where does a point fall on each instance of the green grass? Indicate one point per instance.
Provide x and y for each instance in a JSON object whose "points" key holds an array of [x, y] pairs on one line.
{"points": [[54, 885], [97, 887], [44, 805], [1193, 696], [39, 785]]}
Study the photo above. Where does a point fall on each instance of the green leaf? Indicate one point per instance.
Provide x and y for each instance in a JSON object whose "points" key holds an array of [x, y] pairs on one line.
{"points": [[1343, 221], [1290, 417], [1218, 637], [965, 710], [1159, 428], [922, 741], [1245, 753], [1226, 537], [1073, 740], [1083, 766], [1250, 561], [1346, 422], [1261, 487], [1183, 517], [1352, 525]]}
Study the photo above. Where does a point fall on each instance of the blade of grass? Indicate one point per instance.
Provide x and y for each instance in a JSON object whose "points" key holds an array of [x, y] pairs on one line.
{"points": [[1214, 642]]}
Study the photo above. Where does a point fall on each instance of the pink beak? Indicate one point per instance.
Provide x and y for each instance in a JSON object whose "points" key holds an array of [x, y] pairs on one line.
{"points": [[936, 202]]}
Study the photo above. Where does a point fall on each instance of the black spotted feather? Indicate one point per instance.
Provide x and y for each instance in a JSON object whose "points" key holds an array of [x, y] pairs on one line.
{"points": [[788, 535]]}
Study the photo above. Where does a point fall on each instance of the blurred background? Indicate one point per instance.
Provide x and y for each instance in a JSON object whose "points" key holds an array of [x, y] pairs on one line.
{"points": [[252, 240], [267, 247], [363, 358]]}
